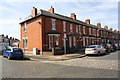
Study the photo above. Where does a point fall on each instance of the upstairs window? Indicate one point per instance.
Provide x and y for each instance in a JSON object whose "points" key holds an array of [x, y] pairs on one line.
{"points": [[64, 26], [24, 27], [80, 29], [90, 31], [97, 32], [71, 28], [77, 29], [84, 30], [53, 24]]}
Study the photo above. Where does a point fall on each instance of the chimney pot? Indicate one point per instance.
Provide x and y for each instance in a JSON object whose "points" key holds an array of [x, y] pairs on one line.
{"points": [[73, 16], [87, 21], [51, 10], [34, 12], [111, 29], [106, 27], [99, 25], [115, 30]]}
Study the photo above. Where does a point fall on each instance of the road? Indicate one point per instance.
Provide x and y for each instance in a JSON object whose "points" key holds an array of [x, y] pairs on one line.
{"points": [[104, 66]]}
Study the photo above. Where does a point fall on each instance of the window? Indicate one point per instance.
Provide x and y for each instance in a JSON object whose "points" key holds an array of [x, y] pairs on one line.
{"points": [[24, 27], [74, 41], [53, 24], [84, 31], [90, 31], [77, 29], [80, 29], [101, 34], [94, 32], [97, 32], [71, 28], [50, 41], [25, 43], [83, 41], [64, 26]]}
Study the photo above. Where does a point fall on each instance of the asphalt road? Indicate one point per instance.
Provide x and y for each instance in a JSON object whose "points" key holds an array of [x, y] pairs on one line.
{"points": [[104, 66]]}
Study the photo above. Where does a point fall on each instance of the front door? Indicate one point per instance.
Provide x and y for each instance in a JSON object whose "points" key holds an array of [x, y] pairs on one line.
{"points": [[50, 41], [70, 41]]}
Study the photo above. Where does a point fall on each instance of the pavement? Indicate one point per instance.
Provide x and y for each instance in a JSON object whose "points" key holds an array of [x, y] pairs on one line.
{"points": [[54, 57]]}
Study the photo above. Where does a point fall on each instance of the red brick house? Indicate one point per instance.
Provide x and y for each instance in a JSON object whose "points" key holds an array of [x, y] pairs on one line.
{"points": [[38, 31]]}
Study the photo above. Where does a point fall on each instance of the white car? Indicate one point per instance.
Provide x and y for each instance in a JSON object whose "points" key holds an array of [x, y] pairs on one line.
{"points": [[95, 49]]}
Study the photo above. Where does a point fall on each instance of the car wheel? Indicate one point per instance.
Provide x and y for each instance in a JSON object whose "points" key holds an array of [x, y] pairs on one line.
{"points": [[98, 53], [9, 58], [4, 56]]}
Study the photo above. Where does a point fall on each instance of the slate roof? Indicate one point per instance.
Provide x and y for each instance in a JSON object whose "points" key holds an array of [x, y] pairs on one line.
{"points": [[61, 17]]}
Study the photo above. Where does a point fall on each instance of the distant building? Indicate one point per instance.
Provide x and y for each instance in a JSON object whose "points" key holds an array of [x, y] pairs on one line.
{"points": [[6, 41]]}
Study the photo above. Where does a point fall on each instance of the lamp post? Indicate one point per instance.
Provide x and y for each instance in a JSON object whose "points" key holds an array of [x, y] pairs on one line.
{"points": [[64, 39]]}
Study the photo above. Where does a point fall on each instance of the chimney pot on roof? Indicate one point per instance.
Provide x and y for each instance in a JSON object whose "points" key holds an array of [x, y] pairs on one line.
{"points": [[3, 35], [34, 12], [73, 16], [87, 21], [111, 29], [99, 25], [6, 36], [51, 10], [115, 30], [106, 27]]}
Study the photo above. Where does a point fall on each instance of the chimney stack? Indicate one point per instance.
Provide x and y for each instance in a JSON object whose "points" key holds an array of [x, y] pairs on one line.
{"points": [[2, 35], [111, 29], [87, 21], [106, 27], [99, 25], [6, 36], [73, 16], [34, 12], [51, 10], [115, 30]]}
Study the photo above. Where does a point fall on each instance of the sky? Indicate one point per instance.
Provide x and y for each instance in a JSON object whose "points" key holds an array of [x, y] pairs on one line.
{"points": [[11, 11]]}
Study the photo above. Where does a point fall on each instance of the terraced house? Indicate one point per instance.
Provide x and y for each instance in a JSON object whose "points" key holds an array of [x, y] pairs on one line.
{"points": [[46, 30]]}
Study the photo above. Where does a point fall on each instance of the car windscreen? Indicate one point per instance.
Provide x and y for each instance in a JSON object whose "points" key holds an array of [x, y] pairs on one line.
{"points": [[91, 47], [17, 49]]}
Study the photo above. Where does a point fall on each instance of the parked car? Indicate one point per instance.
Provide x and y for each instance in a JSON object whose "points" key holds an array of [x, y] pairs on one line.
{"points": [[119, 46], [108, 47], [95, 49], [115, 47], [12, 52], [83, 49]]}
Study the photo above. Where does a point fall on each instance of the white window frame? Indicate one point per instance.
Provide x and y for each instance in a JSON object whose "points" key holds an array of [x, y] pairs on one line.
{"points": [[84, 30], [80, 29], [90, 31], [50, 41], [97, 32], [77, 29], [25, 43], [25, 29], [71, 28], [83, 41], [53, 24], [64, 26], [74, 41]]}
